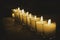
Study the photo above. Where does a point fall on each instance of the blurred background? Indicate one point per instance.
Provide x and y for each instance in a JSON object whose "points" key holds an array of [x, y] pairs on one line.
{"points": [[46, 8]]}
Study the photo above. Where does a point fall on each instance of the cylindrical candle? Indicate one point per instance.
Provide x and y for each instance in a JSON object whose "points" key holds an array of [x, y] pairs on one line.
{"points": [[40, 25], [49, 27], [21, 15], [29, 19], [33, 22], [25, 18]]}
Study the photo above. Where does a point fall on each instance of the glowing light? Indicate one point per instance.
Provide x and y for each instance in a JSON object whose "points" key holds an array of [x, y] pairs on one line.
{"points": [[49, 21], [35, 17], [41, 18], [18, 8], [30, 15], [14, 10], [13, 15], [27, 13], [22, 10]]}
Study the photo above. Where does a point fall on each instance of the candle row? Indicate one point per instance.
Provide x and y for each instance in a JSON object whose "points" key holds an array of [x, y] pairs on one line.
{"points": [[37, 23]]}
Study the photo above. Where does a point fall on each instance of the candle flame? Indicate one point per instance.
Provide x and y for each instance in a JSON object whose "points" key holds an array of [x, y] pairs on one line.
{"points": [[27, 13], [35, 17], [41, 18], [14, 10], [30, 15], [49, 21], [13, 15], [22, 10], [18, 8]]}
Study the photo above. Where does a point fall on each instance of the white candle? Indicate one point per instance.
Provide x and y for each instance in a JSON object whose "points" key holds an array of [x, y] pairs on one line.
{"points": [[49, 27]]}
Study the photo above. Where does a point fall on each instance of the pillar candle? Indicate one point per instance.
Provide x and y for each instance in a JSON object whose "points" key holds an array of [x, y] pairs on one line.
{"points": [[33, 22], [29, 19], [21, 14], [49, 27], [39, 25], [25, 17], [16, 11]]}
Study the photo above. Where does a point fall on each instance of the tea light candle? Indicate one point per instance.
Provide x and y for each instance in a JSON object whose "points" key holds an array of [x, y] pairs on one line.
{"points": [[49, 27]]}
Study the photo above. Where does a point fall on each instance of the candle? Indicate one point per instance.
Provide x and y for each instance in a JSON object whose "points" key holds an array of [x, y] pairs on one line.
{"points": [[49, 27], [14, 10], [33, 22], [21, 15], [25, 17], [19, 12], [29, 19], [39, 25]]}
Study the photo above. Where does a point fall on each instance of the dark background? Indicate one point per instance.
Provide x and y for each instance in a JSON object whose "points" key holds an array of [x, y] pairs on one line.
{"points": [[46, 8]]}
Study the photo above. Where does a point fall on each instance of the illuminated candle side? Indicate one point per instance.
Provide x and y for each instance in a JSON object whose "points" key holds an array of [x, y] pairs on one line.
{"points": [[49, 27], [29, 19], [22, 14], [14, 11], [39, 24], [33, 22], [25, 18], [27, 14]]}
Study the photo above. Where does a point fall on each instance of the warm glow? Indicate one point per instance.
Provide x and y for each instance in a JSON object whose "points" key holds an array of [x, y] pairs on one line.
{"points": [[49, 21], [41, 18], [18, 8], [30, 15], [22, 10], [35, 17], [14, 10], [27, 13], [13, 15]]}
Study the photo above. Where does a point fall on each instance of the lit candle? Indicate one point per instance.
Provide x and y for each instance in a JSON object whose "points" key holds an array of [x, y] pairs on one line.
{"points": [[40, 26], [25, 17], [14, 10], [21, 15], [33, 22], [13, 16], [49, 27], [29, 19], [18, 12]]}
